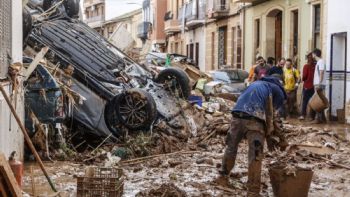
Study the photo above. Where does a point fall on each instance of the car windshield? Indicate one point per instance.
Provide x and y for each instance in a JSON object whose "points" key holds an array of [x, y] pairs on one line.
{"points": [[230, 75]]}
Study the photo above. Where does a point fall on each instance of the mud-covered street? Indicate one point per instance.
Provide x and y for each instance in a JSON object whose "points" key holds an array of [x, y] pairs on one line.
{"points": [[195, 172], [174, 98]]}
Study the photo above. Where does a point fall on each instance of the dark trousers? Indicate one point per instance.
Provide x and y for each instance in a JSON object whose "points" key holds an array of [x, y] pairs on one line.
{"points": [[291, 101], [307, 94], [254, 131]]}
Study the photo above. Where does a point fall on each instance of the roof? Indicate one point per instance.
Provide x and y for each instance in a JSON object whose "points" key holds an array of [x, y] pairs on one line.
{"points": [[124, 16]]}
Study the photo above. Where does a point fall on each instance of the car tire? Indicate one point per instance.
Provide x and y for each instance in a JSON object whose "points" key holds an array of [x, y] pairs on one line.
{"points": [[111, 120], [135, 109], [181, 79], [71, 6]]}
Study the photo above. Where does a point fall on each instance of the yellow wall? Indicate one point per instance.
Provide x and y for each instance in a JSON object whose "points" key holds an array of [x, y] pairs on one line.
{"points": [[305, 28]]}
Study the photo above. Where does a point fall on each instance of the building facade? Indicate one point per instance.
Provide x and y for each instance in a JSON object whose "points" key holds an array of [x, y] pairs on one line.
{"points": [[95, 13], [280, 28], [223, 35], [11, 138], [338, 56], [129, 21], [207, 31], [152, 27], [174, 27]]}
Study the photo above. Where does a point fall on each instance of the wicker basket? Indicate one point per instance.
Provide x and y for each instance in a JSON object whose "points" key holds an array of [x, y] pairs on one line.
{"points": [[101, 182]]}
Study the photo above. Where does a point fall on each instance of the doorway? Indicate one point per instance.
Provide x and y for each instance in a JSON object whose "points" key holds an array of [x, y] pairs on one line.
{"points": [[337, 77], [222, 46], [274, 25]]}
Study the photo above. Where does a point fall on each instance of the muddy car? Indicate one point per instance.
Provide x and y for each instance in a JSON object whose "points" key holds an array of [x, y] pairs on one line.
{"points": [[43, 97], [118, 92]]}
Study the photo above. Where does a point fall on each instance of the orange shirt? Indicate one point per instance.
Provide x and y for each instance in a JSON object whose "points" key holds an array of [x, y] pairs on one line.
{"points": [[251, 73]]}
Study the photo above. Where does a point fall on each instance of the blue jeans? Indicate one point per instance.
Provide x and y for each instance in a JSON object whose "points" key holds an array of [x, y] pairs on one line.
{"points": [[307, 94]]}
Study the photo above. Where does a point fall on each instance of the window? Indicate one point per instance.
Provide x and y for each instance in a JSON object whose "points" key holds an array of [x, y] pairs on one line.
{"points": [[191, 51], [212, 50], [257, 33], [295, 36], [234, 44], [181, 47], [239, 47], [317, 26], [197, 53], [187, 50], [176, 47]]}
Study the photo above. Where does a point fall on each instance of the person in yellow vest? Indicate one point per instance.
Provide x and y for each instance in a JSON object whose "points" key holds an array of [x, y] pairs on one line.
{"points": [[291, 78]]}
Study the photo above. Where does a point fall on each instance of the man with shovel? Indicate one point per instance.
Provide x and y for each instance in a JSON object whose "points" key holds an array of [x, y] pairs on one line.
{"points": [[255, 117]]}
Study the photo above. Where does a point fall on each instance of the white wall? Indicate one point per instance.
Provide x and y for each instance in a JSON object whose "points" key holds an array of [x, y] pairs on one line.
{"points": [[338, 22], [194, 36], [11, 138]]}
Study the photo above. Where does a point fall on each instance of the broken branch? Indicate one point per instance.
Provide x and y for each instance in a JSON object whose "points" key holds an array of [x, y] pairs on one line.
{"points": [[142, 159]]}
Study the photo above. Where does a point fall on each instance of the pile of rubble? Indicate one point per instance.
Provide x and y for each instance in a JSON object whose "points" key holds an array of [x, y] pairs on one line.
{"points": [[164, 126]]}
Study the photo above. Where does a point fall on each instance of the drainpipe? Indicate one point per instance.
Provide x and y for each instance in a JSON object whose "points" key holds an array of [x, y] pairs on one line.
{"points": [[243, 38]]}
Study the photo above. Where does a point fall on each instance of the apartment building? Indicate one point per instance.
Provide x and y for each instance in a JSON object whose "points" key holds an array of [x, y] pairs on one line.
{"points": [[207, 31], [152, 26], [174, 27], [129, 21], [279, 28], [185, 29], [95, 13], [224, 35], [338, 56], [11, 138]]}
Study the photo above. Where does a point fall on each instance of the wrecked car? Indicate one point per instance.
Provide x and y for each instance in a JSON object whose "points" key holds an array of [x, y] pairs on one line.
{"points": [[160, 58], [43, 97], [227, 81], [117, 92]]}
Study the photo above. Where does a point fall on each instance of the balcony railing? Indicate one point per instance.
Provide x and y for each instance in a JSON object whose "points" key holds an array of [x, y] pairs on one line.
{"points": [[142, 29], [195, 12], [172, 26], [94, 19], [218, 8], [89, 3]]}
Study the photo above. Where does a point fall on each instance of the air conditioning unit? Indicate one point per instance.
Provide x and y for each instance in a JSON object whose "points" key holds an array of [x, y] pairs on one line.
{"points": [[6, 36]]}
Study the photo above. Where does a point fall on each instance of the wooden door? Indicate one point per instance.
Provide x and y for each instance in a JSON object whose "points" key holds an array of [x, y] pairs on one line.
{"points": [[278, 36]]}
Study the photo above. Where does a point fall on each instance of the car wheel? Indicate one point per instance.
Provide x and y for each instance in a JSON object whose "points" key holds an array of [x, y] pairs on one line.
{"points": [[71, 6], [111, 118], [176, 81], [136, 109]]}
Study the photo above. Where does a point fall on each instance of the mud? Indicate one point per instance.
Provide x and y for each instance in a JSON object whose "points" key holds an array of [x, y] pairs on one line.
{"points": [[196, 174]]}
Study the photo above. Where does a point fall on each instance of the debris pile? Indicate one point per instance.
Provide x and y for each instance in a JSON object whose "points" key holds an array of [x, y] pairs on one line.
{"points": [[165, 190]]}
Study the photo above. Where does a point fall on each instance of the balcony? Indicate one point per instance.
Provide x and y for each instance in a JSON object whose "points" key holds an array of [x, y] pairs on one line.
{"points": [[172, 26], [89, 3], [195, 13], [218, 8], [142, 30], [95, 21]]}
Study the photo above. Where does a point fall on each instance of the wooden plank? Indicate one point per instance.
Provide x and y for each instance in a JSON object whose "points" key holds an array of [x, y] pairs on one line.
{"points": [[3, 190], [35, 62], [10, 180]]}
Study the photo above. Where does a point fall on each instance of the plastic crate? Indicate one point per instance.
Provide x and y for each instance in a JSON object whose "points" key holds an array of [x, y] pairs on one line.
{"points": [[101, 182]]}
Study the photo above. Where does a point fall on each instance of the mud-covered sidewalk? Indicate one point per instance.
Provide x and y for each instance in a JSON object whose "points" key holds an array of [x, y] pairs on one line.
{"points": [[323, 148]]}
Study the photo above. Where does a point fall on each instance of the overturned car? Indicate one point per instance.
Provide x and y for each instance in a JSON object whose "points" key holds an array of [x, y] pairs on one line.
{"points": [[118, 92]]}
